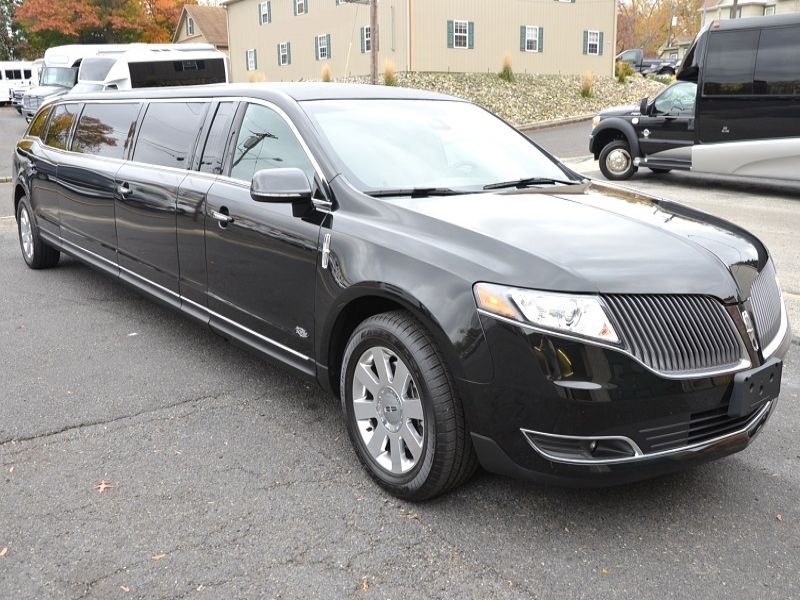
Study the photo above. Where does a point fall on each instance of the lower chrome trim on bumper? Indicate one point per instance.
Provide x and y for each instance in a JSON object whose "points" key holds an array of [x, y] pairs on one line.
{"points": [[639, 456]]}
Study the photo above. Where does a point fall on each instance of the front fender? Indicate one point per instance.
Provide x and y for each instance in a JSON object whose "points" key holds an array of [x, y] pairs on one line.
{"points": [[614, 124]]}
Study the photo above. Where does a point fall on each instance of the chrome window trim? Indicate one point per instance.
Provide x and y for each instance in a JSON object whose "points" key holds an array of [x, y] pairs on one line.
{"points": [[181, 298], [322, 204], [629, 459], [743, 364]]}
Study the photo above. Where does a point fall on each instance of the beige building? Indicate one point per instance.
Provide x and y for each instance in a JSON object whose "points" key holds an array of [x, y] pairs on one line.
{"points": [[721, 9], [289, 40], [676, 49], [202, 24]]}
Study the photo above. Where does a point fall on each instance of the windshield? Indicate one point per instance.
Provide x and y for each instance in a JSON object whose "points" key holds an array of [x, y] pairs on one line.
{"points": [[95, 68], [62, 76], [414, 144]]}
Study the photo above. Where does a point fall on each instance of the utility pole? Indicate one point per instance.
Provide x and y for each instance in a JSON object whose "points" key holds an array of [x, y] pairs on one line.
{"points": [[733, 8], [375, 39]]}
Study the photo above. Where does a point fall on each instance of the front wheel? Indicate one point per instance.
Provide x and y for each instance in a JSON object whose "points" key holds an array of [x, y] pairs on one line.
{"points": [[403, 414], [616, 161], [35, 251]]}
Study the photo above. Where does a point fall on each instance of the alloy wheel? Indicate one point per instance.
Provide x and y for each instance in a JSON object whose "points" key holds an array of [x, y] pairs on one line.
{"points": [[26, 234], [618, 161]]}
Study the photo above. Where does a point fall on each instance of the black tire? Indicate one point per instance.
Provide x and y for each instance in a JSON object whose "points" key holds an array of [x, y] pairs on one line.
{"points": [[612, 170], [447, 458], [660, 171], [41, 255]]}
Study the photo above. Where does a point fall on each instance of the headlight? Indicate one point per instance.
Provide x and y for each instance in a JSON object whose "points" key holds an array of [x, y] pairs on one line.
{"points": [[581, 315], [595, 122]]}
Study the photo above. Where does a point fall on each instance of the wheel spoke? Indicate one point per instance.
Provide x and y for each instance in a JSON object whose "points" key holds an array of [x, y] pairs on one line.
{"points": [[364, 409], [396, 451], [412, 440], [366, 378], [382, 366], [401, 378], [412, 408], [377, 441]]}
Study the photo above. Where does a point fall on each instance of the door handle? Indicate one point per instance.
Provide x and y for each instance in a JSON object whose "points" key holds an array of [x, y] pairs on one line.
{"points": [[221, 217], [124, 190]]}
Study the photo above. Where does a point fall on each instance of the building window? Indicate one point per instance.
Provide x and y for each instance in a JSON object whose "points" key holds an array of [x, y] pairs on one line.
{"points": [[460, 34], [593, 42], [300, 7], [250, 55], [531, 38], [284, 56], [189, 26], [265, 13], [366, 39], [339, 2], [769, 10], [323, 46]]}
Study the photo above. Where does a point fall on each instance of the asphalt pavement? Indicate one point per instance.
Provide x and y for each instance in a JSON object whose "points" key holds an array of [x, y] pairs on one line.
{"points": [[227, 477], [567, 142]]}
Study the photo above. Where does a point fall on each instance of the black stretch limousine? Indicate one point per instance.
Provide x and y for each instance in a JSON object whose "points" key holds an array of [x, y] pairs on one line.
{"points": [[470, 299]]}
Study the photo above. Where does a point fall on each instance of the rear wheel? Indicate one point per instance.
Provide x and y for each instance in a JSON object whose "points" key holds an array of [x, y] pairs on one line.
{"points": [[616, 161], [403, 414], [35, 251]]}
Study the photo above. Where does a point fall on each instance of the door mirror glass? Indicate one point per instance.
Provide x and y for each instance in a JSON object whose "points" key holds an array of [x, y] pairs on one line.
{"points": [[643, 106], [280, 185]]}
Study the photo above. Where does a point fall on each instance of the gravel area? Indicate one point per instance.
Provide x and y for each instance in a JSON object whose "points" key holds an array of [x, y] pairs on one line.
{"points": [[532, 98]]}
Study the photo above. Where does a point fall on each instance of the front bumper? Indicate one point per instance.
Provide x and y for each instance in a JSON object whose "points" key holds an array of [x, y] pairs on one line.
{"points": [[547, 388]]}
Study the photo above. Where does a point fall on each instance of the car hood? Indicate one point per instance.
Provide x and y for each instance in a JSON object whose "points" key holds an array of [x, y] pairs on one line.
{"points": [[43, 91], [607, 240], [619, 111]]}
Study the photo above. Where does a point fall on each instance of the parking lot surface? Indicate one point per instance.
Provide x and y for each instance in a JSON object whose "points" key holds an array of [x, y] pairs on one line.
{"points": [[229, 478]]}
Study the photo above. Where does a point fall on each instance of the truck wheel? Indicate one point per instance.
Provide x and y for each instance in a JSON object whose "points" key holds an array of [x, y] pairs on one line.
{"points": [[616, 161], [402, 410]]}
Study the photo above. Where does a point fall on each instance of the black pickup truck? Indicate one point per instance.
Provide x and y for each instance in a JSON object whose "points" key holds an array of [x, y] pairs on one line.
{"points": [[647, 66]]}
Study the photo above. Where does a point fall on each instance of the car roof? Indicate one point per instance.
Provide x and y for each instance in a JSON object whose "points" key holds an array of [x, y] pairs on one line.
{"points": [[756, 22], [299, 92]]}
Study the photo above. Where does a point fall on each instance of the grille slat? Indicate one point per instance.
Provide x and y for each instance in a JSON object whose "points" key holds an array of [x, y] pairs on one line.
{"points": [[675, 334], [765, 299]]}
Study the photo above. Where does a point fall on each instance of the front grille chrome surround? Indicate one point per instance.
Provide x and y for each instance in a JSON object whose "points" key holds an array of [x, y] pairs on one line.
{"points": [[767, 304], [678, 334]]}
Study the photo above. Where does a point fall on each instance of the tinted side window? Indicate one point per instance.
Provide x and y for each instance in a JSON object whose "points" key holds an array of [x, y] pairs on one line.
{"points": [[105, 129], [60, 125], [214, 151], [265, 141], [168, 133], [777, 68], [730, 62], [27, 73], [37, 125]]}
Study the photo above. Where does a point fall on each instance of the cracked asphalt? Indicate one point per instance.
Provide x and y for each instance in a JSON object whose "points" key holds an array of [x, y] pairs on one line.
{"points": [[231, 478]]}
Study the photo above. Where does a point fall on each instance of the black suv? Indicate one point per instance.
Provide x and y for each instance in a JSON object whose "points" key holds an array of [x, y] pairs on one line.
{"points": [[660, 131]]}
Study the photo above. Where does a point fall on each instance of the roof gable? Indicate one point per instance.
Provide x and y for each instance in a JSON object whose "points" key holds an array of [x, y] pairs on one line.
{"points": [[209, 21]]}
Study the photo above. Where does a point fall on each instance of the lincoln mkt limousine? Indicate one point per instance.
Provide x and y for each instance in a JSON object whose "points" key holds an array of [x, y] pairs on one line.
{"points": [[470, 300]]}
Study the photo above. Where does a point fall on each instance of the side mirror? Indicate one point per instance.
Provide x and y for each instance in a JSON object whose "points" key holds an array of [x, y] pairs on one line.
{"points": [[643, 106], [281, 185]]}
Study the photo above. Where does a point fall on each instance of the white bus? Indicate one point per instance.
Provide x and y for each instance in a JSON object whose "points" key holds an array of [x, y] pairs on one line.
{"points": [[14, 75]]}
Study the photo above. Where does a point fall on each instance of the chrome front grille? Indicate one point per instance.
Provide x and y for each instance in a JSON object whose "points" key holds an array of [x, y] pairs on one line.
{"points": [[765, 298], [677, 334], [31, 103]]}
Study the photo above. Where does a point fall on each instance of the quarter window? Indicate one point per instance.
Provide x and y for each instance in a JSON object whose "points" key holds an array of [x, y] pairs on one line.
{"points": [[265, 141], [531, 38], [250, 57], [730, 62], [214, 151], [190, 26], [105, 129], [265, 13], [777, 72], [37, 126], [460, 34], [60, 125], [168, 133], [593, 42]]}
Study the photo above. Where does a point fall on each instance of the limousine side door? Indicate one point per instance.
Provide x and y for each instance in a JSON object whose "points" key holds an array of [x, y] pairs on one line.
{"points": [[261, 260], [87, 176], [147, 192]]}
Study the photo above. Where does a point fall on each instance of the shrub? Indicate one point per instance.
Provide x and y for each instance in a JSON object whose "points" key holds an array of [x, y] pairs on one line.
{"points": [[623, 70], [389, 73], [506, 73], [587, 84], [665, 79], [326, 73], [256, 77]]}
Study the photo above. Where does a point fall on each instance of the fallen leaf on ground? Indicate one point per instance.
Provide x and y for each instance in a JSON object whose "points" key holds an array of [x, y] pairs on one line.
{"points": [[103, 486], [4, 551], [11, 470], [158, 556], [779, 518], [125, 588], [365, 585], [510, 583], [604, 570], [200, 587]]}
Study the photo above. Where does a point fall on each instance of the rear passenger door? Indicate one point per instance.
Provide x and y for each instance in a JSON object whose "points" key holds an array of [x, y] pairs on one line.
{"points": [[87, 174], [261, 260], [147, 192]]}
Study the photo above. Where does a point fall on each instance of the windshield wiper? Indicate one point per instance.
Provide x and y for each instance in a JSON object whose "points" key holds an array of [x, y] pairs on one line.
{"points": [[419, 192], [528, 181]]}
